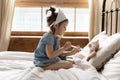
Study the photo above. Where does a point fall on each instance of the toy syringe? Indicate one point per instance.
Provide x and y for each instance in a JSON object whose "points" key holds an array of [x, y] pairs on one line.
{"points": [[76, 47]]}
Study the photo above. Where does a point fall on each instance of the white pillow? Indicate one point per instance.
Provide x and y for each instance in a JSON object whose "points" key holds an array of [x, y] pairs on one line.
{"points": [[101, 37], [85, 51], [107, 49]]}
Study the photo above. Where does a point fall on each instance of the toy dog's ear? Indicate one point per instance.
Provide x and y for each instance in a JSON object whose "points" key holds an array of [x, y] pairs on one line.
{"points": [[97, 41], [97, 45], [89, 45]]}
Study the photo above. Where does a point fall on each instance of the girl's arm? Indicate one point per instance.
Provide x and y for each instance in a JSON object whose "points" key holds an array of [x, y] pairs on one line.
{"points": [[51, 53], [72, 52]]}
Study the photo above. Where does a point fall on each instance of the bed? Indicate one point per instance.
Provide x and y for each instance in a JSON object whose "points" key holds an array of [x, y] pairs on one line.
{"points": [[19, 66], [105, 66]]}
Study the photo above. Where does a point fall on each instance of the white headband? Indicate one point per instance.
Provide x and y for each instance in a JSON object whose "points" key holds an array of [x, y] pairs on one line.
{"points": [[60, 17]]}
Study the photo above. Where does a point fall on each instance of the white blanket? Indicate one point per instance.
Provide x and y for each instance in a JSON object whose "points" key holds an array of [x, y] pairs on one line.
{"points": [[19, 66], [112, 68]]}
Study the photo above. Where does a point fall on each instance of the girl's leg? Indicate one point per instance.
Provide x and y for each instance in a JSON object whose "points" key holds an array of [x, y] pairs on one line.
{"points": [[61, 64]]}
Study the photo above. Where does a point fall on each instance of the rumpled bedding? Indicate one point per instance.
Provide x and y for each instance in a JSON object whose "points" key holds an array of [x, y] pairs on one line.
{"points": [[19, 66], [112, 68]]}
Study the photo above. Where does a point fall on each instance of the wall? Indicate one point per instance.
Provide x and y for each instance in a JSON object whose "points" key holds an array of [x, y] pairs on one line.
{"points": [[29, 44]]}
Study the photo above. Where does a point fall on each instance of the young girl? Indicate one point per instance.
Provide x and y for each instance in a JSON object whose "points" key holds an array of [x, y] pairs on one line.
{"points": [[48, 50]]}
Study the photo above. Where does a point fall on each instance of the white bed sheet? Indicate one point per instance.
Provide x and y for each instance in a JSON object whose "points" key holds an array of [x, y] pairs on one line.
{"points": [[112, 68], [19, 66], [13, 64]]}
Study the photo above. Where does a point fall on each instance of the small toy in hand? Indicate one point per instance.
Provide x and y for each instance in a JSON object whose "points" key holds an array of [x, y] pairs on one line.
{"points": [[94, 46]]}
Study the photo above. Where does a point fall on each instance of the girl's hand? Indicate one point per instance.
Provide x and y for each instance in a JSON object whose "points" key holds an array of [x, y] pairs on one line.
{"points": [[76, 49], [67, 45]]}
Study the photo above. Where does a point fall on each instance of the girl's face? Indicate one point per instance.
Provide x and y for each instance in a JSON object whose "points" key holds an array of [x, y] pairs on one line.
{"points": [[60, 29]]}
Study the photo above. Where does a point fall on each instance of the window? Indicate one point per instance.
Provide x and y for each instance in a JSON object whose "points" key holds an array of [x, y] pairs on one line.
{"points": [[34, 19], [26, 19], [82, 20], [29, 15]]}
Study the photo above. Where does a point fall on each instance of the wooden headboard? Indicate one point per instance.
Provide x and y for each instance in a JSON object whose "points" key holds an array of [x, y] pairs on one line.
{"points": [[105, 19]]}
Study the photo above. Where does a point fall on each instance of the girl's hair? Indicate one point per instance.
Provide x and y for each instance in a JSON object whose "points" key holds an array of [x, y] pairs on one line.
{"points": [[52, 18]]}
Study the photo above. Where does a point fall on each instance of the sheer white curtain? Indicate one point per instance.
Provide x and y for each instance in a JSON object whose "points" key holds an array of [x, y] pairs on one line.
{"points": [[95, 7], [6, 16]]}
